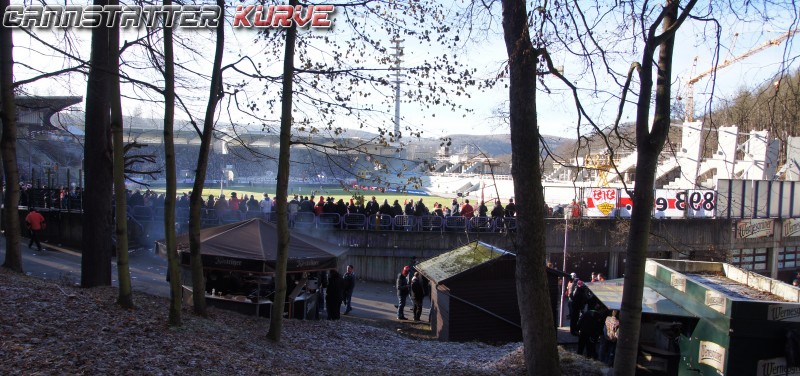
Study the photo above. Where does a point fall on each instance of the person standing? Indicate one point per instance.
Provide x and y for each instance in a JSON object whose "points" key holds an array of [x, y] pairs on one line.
{"points": [[333, 296], [252, 205], [455, 208], [35, 222], [511, 209], [578, 299], [402, 292], [349, 285], [608, 341], [412, 267], [482, 209], [372, 207], [417, 295], [590, 328], [467, 211]]}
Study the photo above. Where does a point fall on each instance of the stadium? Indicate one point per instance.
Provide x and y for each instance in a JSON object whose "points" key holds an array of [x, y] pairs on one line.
{"points": [[51, 137]]}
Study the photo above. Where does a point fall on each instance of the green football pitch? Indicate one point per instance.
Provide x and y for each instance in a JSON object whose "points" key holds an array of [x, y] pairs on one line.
{"points": [[326, 191]]}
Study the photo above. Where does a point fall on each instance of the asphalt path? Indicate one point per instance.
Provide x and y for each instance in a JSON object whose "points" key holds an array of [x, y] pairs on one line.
{"points": [[371, 300]]}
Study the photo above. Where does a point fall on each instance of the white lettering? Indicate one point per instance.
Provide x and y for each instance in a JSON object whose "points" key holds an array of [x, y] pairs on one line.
{"points": [[90, 16]]}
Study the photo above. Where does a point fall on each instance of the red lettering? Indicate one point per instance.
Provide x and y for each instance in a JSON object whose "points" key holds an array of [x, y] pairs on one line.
{"points": [[259, 19], [240, 18], [302, 21], [282, 16], [320, 16]]}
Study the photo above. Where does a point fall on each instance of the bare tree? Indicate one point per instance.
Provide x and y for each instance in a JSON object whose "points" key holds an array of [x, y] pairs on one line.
{"points": [[98, 164], [649, 142], [276, 321], [538, 334], [125, 297], [8, 144], [169, 201], [214, 96]]}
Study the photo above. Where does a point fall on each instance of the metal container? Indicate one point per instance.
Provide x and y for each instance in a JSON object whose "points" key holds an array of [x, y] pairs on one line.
{"points": [[742, 318]]}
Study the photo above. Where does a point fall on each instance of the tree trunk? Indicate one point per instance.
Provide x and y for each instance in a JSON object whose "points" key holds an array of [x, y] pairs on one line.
{"points": [[282, 189], [125, 298], [538, 333], [8, 144], [97, 229], [649, 143], [173, 263], [215, 94]]}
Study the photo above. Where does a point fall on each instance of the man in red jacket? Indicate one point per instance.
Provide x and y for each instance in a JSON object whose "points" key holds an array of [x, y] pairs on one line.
{"points": [[36, 223], [467, 211]]}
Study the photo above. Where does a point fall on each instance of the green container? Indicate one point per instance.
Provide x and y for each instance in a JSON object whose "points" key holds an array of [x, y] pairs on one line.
{"points": [[740, 318]]}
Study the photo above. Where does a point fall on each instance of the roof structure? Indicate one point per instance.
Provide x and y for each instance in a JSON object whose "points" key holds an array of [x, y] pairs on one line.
{"points": [[610, 294], [251, 246], [450, 264]]}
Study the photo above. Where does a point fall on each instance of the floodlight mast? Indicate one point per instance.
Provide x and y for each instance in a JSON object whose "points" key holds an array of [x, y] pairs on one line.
{"points": [[757, 49], [398, 76]]}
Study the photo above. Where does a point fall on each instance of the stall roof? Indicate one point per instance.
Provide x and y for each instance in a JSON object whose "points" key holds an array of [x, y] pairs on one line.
{"points": [[452, 263], [610, 294], [251, 246]]}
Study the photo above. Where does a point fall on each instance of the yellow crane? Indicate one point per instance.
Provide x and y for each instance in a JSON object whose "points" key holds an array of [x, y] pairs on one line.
{"points": [[727, 62], [602, 164]]}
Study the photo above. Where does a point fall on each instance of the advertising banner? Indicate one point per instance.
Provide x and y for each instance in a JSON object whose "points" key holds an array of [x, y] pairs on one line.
{"points": [[600, 202], [755, 228]]}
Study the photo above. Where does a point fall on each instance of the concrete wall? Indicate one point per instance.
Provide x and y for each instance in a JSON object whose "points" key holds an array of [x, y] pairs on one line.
{"points": [[592, 244]]}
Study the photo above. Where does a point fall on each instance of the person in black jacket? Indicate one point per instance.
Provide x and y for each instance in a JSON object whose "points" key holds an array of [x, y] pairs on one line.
{"points": [[341, 207], [511, 209], [409, 210], [590, 327], [402, 292], [417, 295], [578, 297], [333, 297], [482, 209], [396, 208], [372, 207], [386, 209], [349, 286]]}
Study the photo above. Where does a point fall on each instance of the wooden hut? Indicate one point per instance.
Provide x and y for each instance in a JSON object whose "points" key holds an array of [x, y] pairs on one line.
{"points": [[474, 294]]}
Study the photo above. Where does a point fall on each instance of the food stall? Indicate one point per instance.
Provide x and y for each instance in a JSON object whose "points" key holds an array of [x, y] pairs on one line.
{"points": [[712, 318], [239, 261]]}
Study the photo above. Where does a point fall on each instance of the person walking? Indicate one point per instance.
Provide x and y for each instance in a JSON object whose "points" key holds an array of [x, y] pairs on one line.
{"points": [[333, 297], [35, 222], [417, 295], [349, 285], [402, 292]]}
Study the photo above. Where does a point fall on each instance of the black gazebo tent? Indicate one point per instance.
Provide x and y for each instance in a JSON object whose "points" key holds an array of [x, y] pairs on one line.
{"points": [[250, 246]]}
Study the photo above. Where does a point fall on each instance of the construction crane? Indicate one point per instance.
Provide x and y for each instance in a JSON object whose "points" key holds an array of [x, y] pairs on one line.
{"points": [[757, 49], [601, 163]]}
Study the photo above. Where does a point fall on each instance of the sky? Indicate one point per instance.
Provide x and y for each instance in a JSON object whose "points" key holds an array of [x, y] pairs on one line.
{"points": [[484, 51]]}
